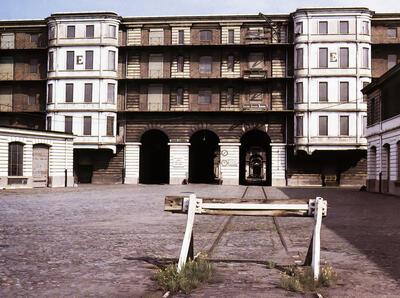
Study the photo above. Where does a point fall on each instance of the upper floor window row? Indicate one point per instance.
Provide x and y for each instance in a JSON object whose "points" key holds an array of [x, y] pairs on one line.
{"points": [[87, 32], [341, 27]]}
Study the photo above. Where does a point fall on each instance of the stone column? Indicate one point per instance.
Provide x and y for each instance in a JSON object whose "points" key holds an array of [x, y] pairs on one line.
{"points": [[178, 162], [132, 160], [229, 163], [278, 166]]}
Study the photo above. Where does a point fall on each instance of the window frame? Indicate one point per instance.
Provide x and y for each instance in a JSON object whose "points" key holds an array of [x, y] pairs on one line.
{"points": [[343, 98], [91, 35], [299, 126], [15, 159], [111, 93], [110, 126], [346, 131], [69, 92], [204, 92], [87, 125], [70, 60], [89, 55], [181, 36], [299, 86], [68, 124], [71, 31], [299, 54], [347, 58], [324, 98], [205, 35], [323, 63], [326, 120], [319, 27], [205, 67], [231, 36], [347, 31], [88, 96]]}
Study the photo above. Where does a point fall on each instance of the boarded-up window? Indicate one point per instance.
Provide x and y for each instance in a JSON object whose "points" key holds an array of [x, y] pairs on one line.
{"points": [[111, 60], [205, 65], [323, 58], [155, 98], [48, 121], [89, 60], [15, 159], [365, 96], [231, 63], [299, 92], [88, 92], [50, 93], [230, 96], [110, 93], [344, 91], [51, 61], [70, 31], [344, 57], [70, 59], [231, 36], [344, 27], [69, 92], [256, 61], [6, 68], [256, 94], [110, 126], [323, 27], [298, 29], [5, 99], [392, 32], [7, 41], [89, 31], [392, 61], [323, 91], [204, 96], [33, 65], [179, 96], [180, 63], [299, 126], [205, 35], [344, 125], [87, 125], [365, 57], [156, 36], [323, 126], [299, 58], [68, 124], [156, 65], [181, 36]]}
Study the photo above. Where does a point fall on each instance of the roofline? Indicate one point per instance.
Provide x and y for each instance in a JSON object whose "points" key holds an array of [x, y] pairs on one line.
{"points": [[321, 8], [50, 133], [382, 79]]}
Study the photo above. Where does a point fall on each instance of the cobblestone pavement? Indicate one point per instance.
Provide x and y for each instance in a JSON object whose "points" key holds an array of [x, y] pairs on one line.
{"points": [[103, 241]]}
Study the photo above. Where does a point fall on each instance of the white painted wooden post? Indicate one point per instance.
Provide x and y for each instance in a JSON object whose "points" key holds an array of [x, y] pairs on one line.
{"points": [[188, 232], [317, 237]]}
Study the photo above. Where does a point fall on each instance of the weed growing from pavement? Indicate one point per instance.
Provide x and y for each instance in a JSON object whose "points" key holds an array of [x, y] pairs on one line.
{"points": [[301, 279], [192, 275]]}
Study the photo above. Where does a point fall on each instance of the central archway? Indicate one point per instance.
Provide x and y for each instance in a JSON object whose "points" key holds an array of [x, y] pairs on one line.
{"points": [[204, 157], [154, 158], [255, 158]]}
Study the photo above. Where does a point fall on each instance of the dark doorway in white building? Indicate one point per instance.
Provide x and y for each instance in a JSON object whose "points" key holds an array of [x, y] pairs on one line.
{"points": [[255, 158], [154, 158], [204, 157]]}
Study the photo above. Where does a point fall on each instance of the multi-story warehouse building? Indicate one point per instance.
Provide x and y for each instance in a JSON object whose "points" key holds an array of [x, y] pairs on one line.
{"points": [[273, 100]]}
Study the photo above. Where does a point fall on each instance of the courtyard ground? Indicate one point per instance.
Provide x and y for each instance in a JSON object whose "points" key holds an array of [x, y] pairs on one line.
{"points": [[104, 241]]}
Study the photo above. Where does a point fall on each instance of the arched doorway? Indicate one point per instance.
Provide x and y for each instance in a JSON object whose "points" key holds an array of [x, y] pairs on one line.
{"points": [[255, 158], [154, 158], [204, 157]]}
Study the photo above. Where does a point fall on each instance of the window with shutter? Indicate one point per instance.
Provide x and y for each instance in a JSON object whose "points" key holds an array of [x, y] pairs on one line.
{"points": [[323, 57], [70, 31], [323, 27], [323, 125], [181, 36], [180, 64], [6, 99], [256, 94], [69, 92], [87, 125], [89, 31], [156, 36], [33, 65], [230, 96], [323, 91], [299, 58], [205, 35], [365, 58], [299, 92], [299, 126], [344, 91], [298, 28], [231, 36], [179, 96], [88, 92], [51, 61], [70, 59], [344, 57], [48, 118], [344, 27], [344, 125], [89, 60], [50, 93], [112, 31], [110, 126]]}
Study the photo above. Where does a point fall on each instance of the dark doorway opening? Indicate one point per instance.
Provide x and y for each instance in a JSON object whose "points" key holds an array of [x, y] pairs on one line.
{"points": [[83, 165], [204, 157], [154, 158], [255, 158]]}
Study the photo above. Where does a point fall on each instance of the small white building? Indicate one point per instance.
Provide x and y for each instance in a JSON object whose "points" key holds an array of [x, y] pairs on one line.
{"points": [[31, 158]]}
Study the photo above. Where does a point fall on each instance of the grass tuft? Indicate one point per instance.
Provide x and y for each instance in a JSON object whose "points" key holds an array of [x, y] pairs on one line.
{"points": [[192, 275]]}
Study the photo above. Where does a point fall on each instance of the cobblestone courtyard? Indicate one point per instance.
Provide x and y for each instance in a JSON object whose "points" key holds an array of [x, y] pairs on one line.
{"points": [[102, 240]]}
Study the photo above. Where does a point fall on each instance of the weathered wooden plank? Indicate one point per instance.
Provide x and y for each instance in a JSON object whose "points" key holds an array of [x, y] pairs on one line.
{"points": [[280, 213]]}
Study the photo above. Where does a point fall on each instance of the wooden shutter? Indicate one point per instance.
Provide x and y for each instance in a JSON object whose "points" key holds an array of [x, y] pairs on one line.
{"points": [[87, 125], [69, 92], [323, 125], [88, 92]]}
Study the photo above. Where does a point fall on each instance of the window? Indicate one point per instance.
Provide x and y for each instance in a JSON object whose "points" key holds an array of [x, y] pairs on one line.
{"points": [[365, 28], [365, 96], [344, 57], [111, 60], [31, 99], [299, 126], [180, 64], [204, 96], [205, 65], [110, 93], [344, 27], [34, 37], [344, 91], [323, 27], [205, 35], [230, 96], [69, 92], [89, 60], [179, 96], [110, 126], [112, 31], [88, 92], [323, 126], [299, 92], [298, 29], [323, 91], [365, 57], [323, 57], [70, 59], [33, 66], [52, 32], [70, 31], [68, 124], [392, 61], [89, 31], [50, 93], [48, 121], [373, 119], [156, 36], [256, 60], [87, 125], [256, 94], [15, 159], [344, 125], [231, 36], [231, 63], [364, 132], [392, 32], [51, 61], [299, 58], [181, 36]]}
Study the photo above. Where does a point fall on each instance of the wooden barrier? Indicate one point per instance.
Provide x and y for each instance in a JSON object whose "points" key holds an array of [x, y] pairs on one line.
{"points": [[192, 205]]}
